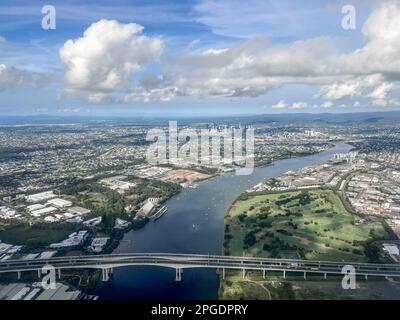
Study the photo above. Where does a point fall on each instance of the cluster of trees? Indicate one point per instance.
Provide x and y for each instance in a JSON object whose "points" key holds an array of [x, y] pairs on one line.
{"points": [[292, 224], [284, 232], [265, 224], [304, 199], [114, 202], [275, 246], [264, 212], [249, 240], [154, 188]]}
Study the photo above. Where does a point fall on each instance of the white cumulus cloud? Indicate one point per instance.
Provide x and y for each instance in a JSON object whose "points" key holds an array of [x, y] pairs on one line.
{"points": [[104, 60], [280, 105], [381, 52], [106, 57], [372, 86], [299, 105], [11, 77]]}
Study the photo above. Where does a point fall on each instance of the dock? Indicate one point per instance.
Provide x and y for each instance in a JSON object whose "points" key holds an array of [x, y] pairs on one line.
{"points": [[159, 213]]}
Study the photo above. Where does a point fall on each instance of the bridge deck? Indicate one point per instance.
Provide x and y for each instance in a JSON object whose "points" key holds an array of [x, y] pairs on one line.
{"points": [[181, 261]]}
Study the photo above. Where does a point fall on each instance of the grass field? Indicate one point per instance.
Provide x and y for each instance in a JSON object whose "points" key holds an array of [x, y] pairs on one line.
{"points": [[313, 223], [237, 288], [36, 236]]}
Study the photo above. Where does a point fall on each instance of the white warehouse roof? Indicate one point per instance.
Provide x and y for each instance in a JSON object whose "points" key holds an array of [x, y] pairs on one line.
{"points": [[38, 213], [61, 203], [37, 197]]}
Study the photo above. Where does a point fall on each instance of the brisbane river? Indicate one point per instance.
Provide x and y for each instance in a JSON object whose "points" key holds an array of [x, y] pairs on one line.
{"points": [[194, 223]]}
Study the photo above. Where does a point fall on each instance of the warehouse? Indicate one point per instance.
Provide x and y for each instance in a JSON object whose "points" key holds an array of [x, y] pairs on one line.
{"points": [[37, 197], [40, 212], [59, 203], [78, 211]]}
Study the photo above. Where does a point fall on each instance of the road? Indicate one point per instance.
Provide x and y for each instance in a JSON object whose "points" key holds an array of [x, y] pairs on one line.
{"points": [[182, 261]]}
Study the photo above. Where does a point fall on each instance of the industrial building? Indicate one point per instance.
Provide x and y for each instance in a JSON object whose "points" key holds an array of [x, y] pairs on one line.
{"points": [[26, 291], [78, 211], [40, 212], [98, 244], [42, 196], [59, 203]]}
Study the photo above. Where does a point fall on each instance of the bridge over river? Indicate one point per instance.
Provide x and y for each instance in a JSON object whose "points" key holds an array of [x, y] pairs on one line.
{"points": [[107, 263]]}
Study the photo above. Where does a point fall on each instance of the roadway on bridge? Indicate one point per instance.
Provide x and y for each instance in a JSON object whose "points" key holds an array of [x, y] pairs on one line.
{"points": [[182, 261]]}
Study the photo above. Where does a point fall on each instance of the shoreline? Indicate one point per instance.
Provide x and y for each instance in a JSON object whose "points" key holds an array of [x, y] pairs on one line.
{"points": [[232, 284], [117, 238]]}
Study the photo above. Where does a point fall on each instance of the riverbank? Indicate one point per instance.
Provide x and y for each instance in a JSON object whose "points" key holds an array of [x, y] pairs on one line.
{"points": [[141, 223], [305, 223], [312, 224], [194, 223]]}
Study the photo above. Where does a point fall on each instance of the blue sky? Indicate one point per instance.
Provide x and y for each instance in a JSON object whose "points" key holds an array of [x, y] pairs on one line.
{"points": [[198, 57]]}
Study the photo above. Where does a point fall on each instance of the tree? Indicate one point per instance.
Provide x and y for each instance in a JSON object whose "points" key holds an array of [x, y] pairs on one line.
{"points": [[250, 239], [304, 198]]}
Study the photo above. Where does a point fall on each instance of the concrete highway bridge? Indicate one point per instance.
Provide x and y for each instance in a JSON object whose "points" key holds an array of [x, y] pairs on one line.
{"points": [[181, 261]]}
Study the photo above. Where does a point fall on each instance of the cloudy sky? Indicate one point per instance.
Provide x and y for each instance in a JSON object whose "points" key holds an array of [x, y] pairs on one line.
{"points": [[199, 57]]}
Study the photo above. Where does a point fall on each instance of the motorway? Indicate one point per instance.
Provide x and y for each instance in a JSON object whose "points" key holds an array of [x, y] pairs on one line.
{"points": [[182, 261]]}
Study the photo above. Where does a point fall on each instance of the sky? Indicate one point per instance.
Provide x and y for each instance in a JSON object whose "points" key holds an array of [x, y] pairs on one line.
{"points": [[198, 57]]}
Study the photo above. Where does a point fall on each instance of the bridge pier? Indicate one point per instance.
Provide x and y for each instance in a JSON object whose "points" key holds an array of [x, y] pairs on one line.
{"points": [[105, 274], [181, 261], [178, 274]]}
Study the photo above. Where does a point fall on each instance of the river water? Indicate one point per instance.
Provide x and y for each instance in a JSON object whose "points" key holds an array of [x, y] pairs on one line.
{"points": [[194, 223]]}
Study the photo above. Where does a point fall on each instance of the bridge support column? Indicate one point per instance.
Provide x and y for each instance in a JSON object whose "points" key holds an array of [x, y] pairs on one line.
{"points": [[284, 274], [243, 273], [178, 274], [105, 274], [366, 277], [264, 274], [19, 275], [59, 273], [223, 273], [305, 275], [38, 273], [325, 275]]}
